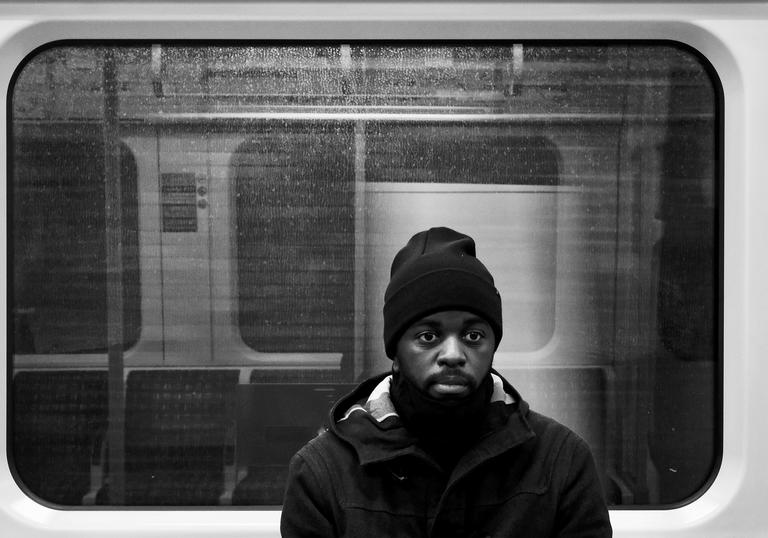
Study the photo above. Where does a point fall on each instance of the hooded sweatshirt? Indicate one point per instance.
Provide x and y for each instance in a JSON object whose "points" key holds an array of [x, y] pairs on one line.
{"points": [[369, 476]]}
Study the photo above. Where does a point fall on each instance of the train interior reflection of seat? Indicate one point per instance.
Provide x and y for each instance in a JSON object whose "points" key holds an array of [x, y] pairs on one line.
{"points": [[59, 422], [197, 437], [273, 422]]}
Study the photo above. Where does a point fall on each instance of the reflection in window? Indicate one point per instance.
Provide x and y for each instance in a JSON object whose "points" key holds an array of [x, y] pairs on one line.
{"points": [[591, 169], [59, 231], [295, 239]]}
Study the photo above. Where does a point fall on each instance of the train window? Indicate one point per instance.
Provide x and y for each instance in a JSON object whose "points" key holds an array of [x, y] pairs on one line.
{"points": [[295, 239], [60, 269], [233, 209]]}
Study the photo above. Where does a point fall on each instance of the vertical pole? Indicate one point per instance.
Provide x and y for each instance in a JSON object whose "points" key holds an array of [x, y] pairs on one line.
{"points": [[114, 242], [360, 238]]}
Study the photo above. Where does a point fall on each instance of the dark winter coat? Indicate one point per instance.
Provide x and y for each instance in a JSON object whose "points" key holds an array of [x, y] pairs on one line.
{"points": [[527, 477]]}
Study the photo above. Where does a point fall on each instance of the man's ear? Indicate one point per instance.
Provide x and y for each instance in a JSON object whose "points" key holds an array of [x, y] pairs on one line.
{"points": [[395, 366]]}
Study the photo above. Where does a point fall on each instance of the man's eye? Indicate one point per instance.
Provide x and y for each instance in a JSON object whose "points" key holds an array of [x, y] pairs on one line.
{"points": [[426, 337], [474, 336]]}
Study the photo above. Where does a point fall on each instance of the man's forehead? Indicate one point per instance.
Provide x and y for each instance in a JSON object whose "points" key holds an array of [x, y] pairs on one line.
{"points": [[447, 317]]}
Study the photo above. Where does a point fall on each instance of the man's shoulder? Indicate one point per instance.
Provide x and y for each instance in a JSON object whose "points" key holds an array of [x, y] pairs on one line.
{"points": [[323, 449], [553, 434]]}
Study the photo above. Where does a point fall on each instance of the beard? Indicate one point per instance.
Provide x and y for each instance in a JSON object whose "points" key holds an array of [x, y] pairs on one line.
{"points": [[445, 428]]}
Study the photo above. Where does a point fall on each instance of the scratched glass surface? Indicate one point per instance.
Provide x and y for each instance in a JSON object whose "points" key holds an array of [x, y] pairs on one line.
{"points": [[209, 229]]}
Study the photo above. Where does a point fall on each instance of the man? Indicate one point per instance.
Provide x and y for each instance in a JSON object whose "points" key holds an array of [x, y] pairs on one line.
{"points": [[442, 446]]}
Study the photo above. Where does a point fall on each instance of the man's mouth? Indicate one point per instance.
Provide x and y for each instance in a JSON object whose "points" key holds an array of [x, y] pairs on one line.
{"points": [[451, 385]]}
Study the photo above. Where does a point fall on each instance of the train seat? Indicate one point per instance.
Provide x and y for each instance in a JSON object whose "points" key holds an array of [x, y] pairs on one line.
{"points": [[178, 435], [274, 420], [59, 420], [197, 437]]}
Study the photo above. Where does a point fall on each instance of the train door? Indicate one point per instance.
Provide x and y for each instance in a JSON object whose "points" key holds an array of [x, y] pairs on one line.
{"points": [[185, 249], [175, 242]]}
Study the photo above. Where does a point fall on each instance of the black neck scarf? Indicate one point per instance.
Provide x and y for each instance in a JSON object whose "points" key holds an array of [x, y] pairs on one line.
{"points": [[445, 429]]}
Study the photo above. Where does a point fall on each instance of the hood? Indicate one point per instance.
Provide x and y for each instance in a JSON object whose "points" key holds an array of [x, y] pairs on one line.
{"points": [[367, 420]]}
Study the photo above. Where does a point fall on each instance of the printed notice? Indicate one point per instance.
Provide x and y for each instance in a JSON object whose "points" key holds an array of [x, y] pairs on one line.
{"points": [[179, 202]]}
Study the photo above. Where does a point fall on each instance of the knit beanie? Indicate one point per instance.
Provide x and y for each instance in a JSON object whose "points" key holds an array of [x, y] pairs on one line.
{"points": [[436, 271]]}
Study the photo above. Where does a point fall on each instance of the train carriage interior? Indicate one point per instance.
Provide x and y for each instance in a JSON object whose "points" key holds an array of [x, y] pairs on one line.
{"points": [[200, 237]]}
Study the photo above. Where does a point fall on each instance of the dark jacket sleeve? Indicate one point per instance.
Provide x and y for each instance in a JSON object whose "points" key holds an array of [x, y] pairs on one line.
{"points": [[306, 506], [582, 511]]}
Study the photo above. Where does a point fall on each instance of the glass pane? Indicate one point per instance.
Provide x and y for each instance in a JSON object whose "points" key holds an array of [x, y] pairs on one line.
{"points": [[263, 191], [60, 270], [295, 239]]}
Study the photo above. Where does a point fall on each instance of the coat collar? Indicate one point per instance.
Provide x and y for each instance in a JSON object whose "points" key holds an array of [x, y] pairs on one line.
{"points": [[368, 421]]}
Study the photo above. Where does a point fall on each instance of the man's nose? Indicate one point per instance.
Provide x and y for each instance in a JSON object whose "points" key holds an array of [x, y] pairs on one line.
{"points": [[451, 352]]}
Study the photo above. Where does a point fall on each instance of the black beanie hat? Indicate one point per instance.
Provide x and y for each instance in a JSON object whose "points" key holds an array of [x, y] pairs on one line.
{"points": [[437, 270]]}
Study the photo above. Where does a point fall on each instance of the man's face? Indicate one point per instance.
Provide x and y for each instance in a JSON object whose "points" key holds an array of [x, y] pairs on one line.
{"points": [[446, 354]]}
